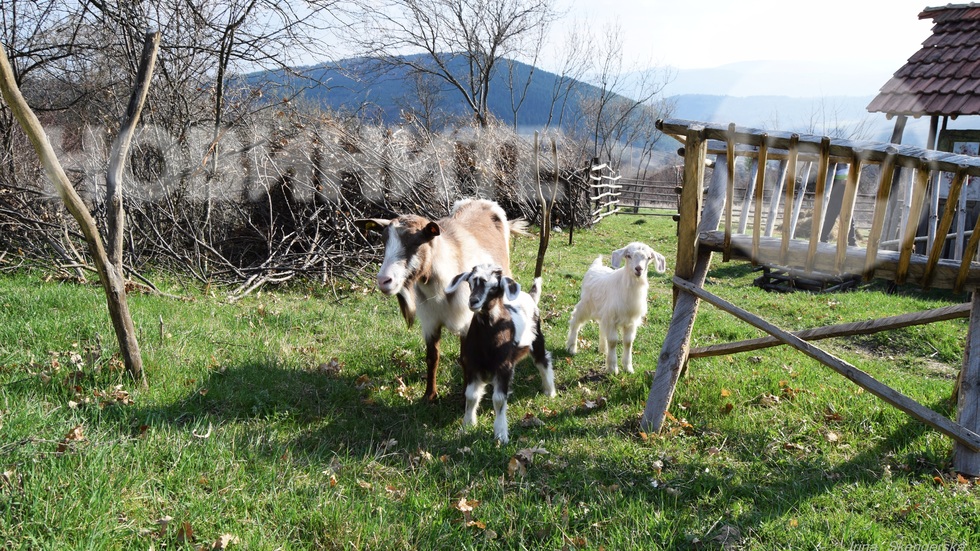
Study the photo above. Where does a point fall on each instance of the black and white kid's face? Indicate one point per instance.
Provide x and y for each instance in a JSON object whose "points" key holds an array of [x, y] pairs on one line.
{"points": [[486, 284]]}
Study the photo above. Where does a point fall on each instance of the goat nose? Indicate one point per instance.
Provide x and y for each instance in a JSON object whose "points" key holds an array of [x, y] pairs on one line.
{"points": [[384, 282]]}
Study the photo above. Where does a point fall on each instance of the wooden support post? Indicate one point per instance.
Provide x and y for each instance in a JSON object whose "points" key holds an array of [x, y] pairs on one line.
{"points": [[965, 460], [958, 432], [673, 354]]}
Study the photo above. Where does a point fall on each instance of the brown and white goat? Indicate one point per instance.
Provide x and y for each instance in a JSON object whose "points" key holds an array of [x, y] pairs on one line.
{"points": [[506, 327], [617, 299], [421, 258]]}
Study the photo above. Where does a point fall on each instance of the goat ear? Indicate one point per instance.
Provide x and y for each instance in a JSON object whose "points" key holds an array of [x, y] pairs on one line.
{"points": [[455, 283], [617, 257], [659, 262], [371, 224], [512, 289], [431, 230]]}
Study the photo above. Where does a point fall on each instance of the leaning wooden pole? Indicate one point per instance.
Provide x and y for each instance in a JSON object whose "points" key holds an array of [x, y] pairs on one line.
{"points": [[110, 273], [692, 265], [965, 460]]}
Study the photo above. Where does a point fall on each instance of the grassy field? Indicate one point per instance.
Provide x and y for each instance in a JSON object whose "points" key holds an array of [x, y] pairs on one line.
{"points": [[293, 420]]}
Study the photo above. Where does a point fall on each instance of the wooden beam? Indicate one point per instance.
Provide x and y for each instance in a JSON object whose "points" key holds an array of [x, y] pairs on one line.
{"points": [[866, 327], [968, 402], [966, 437]]}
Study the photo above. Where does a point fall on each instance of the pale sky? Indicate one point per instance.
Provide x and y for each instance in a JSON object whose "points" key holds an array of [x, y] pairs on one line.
{"points": [[691, 34]]}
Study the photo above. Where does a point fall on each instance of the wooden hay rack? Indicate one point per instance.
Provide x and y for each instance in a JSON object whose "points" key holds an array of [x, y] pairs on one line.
{"points": [[702, 209]]}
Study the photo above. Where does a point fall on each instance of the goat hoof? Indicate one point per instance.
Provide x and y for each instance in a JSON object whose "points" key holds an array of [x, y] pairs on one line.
{"points": [[431, 398]]}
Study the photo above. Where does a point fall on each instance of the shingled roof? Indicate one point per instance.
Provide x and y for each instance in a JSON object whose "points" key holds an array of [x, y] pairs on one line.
{"points": [[943, 78]]}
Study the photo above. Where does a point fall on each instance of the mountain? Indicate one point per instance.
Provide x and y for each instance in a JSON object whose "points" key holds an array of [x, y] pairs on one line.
{"points": [[806, 98], [386, 95]]}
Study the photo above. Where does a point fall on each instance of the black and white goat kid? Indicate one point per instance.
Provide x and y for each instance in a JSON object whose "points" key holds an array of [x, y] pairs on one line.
{"points": [[506, 327]]}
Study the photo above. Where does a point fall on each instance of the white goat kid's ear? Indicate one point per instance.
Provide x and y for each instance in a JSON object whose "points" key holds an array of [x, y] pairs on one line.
{"points": [[617, 257], [659, 262], [455, 283], [512, 289]]}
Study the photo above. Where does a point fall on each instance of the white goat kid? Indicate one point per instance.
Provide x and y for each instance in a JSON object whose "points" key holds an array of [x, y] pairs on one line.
{"points": [[506, 326], [617, 299]]}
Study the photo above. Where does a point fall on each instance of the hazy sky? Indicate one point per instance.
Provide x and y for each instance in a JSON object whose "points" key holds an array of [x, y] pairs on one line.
{"points": [[690, 34]]}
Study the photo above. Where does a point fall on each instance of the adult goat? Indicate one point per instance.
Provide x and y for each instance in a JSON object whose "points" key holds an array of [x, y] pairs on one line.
{"points": [[422, 257]]}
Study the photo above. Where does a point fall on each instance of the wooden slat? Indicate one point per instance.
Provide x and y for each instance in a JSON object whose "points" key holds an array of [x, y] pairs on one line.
{"points": [[816, 226], [775, 197], [966, 437], [952, 204], [760, 183], [887, 175], [867, 327], [847, 209], [730, 190], [968, 254], [919, 186], [788, 204]]}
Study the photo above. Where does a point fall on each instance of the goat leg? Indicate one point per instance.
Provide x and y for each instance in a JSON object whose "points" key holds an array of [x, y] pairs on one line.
{"points": [[432, 364]]}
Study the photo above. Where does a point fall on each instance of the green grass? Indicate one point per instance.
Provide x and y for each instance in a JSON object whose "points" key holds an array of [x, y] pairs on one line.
{"points": [[244, 431]]}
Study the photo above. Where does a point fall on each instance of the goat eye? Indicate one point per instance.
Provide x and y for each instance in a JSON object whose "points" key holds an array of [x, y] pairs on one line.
{"points": [[629, 255]]}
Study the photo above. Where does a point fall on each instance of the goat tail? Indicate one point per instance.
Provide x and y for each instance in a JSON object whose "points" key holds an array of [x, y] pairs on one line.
{"points": [[520, 227], [597, 263], [535, 291]]}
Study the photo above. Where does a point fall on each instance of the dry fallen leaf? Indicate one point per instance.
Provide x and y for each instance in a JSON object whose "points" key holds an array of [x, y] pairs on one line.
{"points": [[725, 393], [224, 542], [186, 534], [531, 420]]}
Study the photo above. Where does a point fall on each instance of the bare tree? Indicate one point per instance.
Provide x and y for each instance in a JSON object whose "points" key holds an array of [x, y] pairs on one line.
{"points": [[107, 253], [458, 41]]}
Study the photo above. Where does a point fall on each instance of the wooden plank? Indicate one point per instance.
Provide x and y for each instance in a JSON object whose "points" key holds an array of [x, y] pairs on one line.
{"points": [[886, 174], [912, 224], [677, 341], [743, 217], [964, 436], [776, 196], [760, 183], [847, 209], [968, 401], [866, 327], [789, 221], [952, 203], [807, 166], [816, 226]]}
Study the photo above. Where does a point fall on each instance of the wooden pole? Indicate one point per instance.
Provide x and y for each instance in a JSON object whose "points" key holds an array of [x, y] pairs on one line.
{"points": [[673, 353], [962, 435], [965, 460]]}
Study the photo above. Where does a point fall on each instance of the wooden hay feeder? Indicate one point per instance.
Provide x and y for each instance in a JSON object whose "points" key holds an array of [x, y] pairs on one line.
{"points": [[905, 176]]}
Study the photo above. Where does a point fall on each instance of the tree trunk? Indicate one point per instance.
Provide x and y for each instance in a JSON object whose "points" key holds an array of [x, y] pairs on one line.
{"points": [[110, 270]]}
